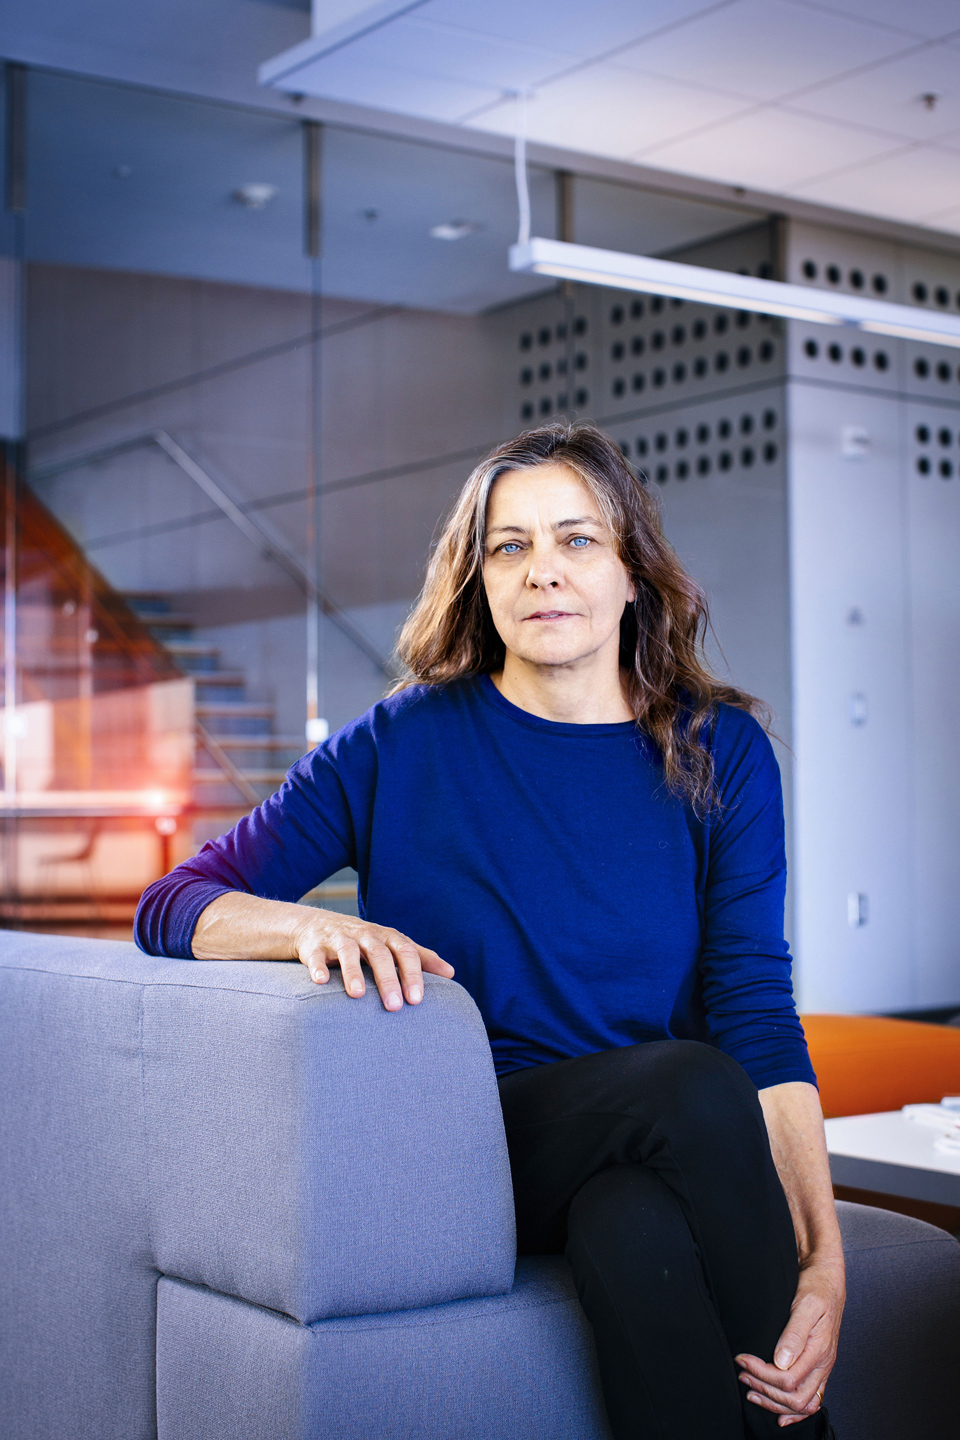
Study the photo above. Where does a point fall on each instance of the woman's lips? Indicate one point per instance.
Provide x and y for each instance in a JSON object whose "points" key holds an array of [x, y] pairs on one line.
{"points": [[550, 615]]}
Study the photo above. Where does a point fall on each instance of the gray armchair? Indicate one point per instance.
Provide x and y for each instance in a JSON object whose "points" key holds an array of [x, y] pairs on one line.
{"points": [[237, 1206]]}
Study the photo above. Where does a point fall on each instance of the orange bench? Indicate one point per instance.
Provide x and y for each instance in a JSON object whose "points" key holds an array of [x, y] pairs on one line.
{"points": [[865, 1063]]}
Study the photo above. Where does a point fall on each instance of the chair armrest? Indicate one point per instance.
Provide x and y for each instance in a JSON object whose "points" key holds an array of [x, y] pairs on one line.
{"points": [[316, 1154]]}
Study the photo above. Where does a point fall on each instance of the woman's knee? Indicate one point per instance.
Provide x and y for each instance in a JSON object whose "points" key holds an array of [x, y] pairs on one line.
{"points": [[701, 1091], [624, 1212]]}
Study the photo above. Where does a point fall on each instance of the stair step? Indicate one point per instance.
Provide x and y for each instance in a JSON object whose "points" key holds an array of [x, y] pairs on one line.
{"points": [[232, 678], [211, 709], [205, 776], [262, 742]]}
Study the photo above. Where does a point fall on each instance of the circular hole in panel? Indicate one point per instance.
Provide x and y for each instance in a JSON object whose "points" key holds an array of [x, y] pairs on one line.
{"points": [[700, 366], [724, 460], [946, 469], [617, 351], [881, 360], [703, 434], [656, 305], [545, 372], [765, 270], [582, 396], [561, 366], [636, 310], [703, 465], [625, 448], [676, 303], [663, 474], [683, 470], [747, 457], [546, 405], [637, 345], [920, 368], [919, 291], [724, 429], [679, 374], [680, 438], [944, 437], [561, 332], [856, 279], [769, 419], [580, 362], [526, 376], [811, 348], [742, 319], [943, 370], [721, 324], [744, 356], [769, 452], [619, 386], [543, 336], [661, 442], [833, 274], [562, 401], [766, 350], [923, 465], [638, 381], [642, 446], [580, 325], [834, 353], [942, 295], [657, 340], [922, 433], [678, 335], [858, 356], [526, 340], [526, 411], [722, 361], [746, 424], [698, 329], [659, 376], [616, 315], [810, 269], [879, 283]]}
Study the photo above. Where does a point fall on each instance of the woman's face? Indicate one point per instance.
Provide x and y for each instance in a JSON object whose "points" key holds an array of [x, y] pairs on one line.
{"points": [[554, 581]]}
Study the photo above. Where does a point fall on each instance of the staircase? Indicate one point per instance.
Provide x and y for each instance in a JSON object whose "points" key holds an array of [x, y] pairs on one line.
{"points": [[240, 761]]}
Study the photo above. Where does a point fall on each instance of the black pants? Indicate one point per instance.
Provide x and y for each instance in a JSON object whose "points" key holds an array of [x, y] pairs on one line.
{"points": [[650, 1168]]}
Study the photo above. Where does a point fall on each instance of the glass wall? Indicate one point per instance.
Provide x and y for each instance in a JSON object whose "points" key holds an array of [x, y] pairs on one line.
{"points": [[259, 357]]}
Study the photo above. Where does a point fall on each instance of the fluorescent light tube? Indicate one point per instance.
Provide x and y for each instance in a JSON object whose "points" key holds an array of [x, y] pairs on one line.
{"points": [[741, 292]]}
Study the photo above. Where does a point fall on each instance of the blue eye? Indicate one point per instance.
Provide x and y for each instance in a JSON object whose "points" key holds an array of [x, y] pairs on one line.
{"points": [[510, 548], [580, 541]]}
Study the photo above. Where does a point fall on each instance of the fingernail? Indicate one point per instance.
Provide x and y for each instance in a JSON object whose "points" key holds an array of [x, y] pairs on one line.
{"points": [[416, 995], [393, 1001], [355, 987], [783, 1359], [754, 1398]]}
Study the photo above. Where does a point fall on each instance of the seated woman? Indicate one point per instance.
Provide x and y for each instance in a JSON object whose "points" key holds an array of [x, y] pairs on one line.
{"points": [[567, 805]]}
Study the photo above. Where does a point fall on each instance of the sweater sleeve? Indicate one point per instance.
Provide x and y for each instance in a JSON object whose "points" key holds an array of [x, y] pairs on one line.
{"points": [[294, 840], [745, 965]]}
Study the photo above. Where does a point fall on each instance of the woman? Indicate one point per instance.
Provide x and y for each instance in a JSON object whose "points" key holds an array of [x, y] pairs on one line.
{"points": [[565, 802]]}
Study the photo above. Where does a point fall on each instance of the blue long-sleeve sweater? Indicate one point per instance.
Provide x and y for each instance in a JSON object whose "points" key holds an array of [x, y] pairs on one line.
{"points": [[583, 905]]}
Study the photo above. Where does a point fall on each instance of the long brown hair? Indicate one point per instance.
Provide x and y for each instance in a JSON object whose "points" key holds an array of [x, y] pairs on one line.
{"points": [[669, 685]]}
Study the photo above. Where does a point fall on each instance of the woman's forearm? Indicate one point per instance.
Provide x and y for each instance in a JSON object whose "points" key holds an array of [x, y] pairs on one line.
{"points": [[237, 926], [795, 1127]]}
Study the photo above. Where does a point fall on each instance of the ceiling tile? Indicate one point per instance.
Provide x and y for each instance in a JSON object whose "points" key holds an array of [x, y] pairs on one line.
{"points": [[420, 48], [766, 149], [565, 25], [356, 78], [888, 96], [908, 185], [929, 18], [763, 49], [606, 111]]}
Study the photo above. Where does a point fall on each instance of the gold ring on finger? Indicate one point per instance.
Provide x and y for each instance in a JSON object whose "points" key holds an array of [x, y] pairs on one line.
{"points": [[820, 1398]]}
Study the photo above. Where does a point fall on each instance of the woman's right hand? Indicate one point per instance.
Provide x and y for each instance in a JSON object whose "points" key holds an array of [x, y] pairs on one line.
{"points": [[326, 938]]}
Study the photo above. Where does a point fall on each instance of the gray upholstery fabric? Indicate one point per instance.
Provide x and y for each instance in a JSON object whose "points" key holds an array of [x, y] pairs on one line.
{"points": [[513, 1367], [319, 1156], [899, 1360]]}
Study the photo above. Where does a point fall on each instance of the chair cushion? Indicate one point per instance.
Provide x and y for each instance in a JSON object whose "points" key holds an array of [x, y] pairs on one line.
{"points": [[865, 1063]]}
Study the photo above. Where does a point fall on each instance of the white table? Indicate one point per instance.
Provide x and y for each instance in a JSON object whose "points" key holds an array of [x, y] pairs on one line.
{"points": [[894, 1155]]}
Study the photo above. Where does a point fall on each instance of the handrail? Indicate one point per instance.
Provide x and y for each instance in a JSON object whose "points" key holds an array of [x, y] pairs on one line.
{"points": [[257, 530]]}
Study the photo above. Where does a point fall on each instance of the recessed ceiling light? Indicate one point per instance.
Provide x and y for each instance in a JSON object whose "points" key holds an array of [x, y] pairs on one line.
{"points": [[254, 195], [455, 229]]}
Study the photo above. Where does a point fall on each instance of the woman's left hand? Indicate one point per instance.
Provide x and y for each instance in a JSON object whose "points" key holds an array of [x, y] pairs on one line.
{"points": [[792, 1387]]}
